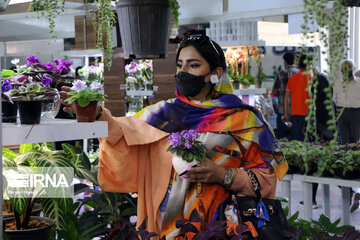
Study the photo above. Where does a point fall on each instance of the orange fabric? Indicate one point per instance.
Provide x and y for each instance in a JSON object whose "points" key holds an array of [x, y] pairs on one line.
{"points": [[297, 85], [131, 161]]}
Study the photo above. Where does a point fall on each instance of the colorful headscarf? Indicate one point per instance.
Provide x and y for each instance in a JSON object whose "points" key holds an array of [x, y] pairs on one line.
{"points": [[226, 114]]}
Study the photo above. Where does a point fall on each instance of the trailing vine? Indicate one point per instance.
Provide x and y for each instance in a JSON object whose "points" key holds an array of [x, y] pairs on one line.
{"points": [[48, 9], [174, 6], [103, 19], [333, 35]]}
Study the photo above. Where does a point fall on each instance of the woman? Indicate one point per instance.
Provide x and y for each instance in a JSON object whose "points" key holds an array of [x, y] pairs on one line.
{"points": [[134, 158]]}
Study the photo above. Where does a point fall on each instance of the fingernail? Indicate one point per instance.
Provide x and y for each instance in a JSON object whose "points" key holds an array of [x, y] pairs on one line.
{"points": [[188, 169], [184, 176]]}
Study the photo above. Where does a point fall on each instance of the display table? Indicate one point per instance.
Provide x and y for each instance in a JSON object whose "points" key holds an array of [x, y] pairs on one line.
{"points": [[307, 192]]}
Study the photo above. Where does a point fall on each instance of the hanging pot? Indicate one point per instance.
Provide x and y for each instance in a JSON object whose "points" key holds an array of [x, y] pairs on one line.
{"points": [[181, 165], [30, 111], [30, 234], [86, 114], [9, 112], [236, 85], [144, 27]]}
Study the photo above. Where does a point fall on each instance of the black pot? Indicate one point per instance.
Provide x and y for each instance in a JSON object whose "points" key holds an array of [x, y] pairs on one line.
{"points": [[30, 111], [144, 27], [9, 112], [42, 233]]}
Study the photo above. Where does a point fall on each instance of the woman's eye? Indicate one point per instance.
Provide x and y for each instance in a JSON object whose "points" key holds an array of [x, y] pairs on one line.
{"points": [[194, 65], [179, 65]]}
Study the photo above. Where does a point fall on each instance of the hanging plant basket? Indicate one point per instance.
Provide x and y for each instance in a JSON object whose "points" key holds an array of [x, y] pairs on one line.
{"points": [[144, 27]]}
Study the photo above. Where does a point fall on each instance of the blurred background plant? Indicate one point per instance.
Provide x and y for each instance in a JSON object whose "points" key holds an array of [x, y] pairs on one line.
{"points": [[92, 73], [139, 72]]}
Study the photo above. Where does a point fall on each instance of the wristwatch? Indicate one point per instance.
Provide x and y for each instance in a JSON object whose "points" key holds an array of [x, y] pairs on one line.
{"points": [[229, 177]]}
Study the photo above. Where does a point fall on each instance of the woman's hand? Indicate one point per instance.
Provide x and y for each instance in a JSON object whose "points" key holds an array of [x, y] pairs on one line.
{"points": [[206, 172], [69, 108]]}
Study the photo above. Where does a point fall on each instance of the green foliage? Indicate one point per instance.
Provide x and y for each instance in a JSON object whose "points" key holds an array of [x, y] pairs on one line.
{"points": [[48, 9], [197, 152], [7, 74], [245, 79], [103, 21], [318, 229], [45, 155], [315, 159], [174, 6], [84, 97]]}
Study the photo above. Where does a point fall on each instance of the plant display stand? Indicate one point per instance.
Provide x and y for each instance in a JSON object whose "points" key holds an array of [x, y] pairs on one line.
{"points": [[307, 192]]}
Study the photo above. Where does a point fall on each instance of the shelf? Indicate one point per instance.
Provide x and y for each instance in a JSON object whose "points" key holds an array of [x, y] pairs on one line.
{"points": [[52, 131], [327, 180], [226, 44], [255, 91], [139, 93]]}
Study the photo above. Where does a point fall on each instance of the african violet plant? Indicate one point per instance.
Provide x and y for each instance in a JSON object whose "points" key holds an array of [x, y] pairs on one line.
{"points": [[34, 80]]}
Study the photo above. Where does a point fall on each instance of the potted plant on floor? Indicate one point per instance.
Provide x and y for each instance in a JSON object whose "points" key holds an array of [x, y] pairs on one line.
{"points": [[32, 157], [86, 99], [186, 149]]}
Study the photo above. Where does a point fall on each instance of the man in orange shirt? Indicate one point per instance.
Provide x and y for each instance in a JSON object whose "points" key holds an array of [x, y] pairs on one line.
{"points": [[296, 89]]}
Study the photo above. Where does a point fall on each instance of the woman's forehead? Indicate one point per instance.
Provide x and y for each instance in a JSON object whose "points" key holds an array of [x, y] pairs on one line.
{"points": [[190, 52]]}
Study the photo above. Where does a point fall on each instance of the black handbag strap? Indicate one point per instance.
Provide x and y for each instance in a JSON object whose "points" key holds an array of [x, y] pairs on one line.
{"points": [[256, 184]]}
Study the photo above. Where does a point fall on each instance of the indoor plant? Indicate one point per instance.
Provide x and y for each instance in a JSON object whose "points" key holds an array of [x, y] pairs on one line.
{"points": [[186, 149], [33, 87], [36, 156], [138, 73], [85, 99], [257, 55]]}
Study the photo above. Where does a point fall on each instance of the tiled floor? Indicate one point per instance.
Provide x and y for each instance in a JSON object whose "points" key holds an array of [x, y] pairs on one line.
{"points": [[335, 204]]}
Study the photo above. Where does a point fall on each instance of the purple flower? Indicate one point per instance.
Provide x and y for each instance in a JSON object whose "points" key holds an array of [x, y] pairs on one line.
{"points": [[49, 67], [78, 85], [188, 145], [45, 81], [6, 86], [62, 69], [32, 59], [66, 63], [57, 61], [176, 139], [95, 85], [193, 133]]}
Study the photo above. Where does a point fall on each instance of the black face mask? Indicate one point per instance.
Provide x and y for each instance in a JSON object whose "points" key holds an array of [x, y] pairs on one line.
{"points": [[188, 84]]}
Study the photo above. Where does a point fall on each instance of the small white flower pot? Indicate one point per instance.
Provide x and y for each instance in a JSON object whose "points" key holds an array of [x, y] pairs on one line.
{"points": [[181, 165]]}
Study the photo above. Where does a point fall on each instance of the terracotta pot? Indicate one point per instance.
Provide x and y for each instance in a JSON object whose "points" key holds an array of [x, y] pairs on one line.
{"points": [[181, 165], [86, 114]]}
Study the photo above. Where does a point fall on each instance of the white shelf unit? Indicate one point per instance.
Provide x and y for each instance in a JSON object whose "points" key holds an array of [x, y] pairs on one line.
{"points": [[255, 91], [139, 93], [52, 131]]}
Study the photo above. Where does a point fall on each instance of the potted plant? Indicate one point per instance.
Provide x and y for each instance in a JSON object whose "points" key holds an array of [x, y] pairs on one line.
{"points": [[186, 149], [32, 157], [33, 87], [257, 55], [86, 99], [139, 73]]}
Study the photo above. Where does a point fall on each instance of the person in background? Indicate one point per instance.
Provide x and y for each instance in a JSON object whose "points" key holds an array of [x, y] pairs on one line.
{"points": [[296, 92], [133, 158], [279, 89], [347, 96]]}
